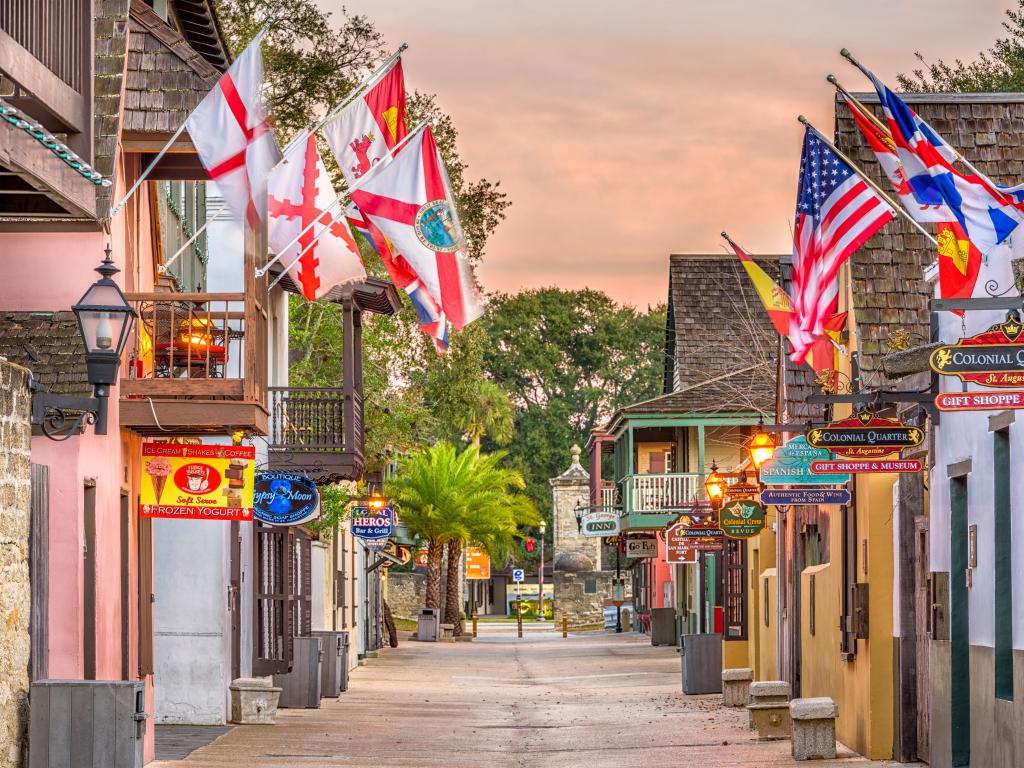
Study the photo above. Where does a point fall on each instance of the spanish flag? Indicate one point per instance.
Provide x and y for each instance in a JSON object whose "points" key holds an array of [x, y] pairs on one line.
{"points": [[959, 262]]}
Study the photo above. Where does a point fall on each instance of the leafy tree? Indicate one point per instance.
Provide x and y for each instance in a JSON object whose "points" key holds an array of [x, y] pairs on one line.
{"points": [[568, 359], [999, 69], [449, 498]]}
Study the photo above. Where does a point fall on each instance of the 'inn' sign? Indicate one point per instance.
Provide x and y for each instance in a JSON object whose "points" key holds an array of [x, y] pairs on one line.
{"points": [[992, 358]]}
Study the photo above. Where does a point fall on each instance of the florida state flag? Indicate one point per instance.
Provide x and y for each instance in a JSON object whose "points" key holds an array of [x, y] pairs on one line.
{"points": [[230, 132], [408, 200], [361, 135], [300, 191]]}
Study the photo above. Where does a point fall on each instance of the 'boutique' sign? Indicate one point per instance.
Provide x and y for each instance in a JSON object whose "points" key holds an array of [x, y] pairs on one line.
{"points": [[285, 498]]}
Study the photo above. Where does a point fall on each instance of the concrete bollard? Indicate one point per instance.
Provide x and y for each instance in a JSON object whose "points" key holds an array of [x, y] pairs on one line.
{"points": [[769, 710], [814, 728], [736, 686], [474, 626], [565, 627]]}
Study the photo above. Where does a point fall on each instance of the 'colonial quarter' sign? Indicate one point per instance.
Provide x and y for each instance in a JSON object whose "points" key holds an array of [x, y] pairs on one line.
{"points": [[993, 358], [865, 436], [741, 519]]}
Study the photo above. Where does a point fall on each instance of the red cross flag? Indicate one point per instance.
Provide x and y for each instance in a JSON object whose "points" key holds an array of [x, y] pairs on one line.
{"points": [[230, 132], [363, 133], [299, 192], [409, 201]]}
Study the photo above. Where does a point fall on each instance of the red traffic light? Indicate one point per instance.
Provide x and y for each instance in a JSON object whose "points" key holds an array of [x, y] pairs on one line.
{"points": [[530, 545]]}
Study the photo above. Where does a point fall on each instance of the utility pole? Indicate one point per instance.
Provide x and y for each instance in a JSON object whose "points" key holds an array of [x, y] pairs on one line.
{"points": [[519, 609], [619, 589], [540, 575]]}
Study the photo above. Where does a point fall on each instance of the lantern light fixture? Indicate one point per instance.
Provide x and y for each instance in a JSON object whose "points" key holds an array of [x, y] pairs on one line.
{"points": [[715, 487], [761, 447]]}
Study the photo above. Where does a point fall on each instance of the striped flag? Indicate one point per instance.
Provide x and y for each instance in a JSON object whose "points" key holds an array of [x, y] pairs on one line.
{"points": [[836, 212]]}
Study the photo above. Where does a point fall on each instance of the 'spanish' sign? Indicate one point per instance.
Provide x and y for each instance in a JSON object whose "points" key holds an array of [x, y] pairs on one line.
{"points": [[980, 401], [741, 518], [791, 465], [285, 498], [992, 358], [865, 436], [858, 467], [373, 524], [198, 482]]}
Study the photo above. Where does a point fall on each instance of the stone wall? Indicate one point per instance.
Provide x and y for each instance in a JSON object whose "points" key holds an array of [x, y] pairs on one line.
{"points": [[15, 591], [575, 602], [406, 594], [570, 488]]}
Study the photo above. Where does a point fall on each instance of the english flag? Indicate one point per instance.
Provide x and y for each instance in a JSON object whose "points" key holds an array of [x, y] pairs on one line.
{"points": [[409, 201], [365, 131], [232, 137], [836, 212], [299, 192]]}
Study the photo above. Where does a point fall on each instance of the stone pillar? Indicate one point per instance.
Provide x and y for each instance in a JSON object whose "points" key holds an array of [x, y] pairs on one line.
{"points": [[570, 488]]}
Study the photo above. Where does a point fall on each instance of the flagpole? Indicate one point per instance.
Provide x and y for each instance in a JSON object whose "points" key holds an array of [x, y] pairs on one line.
{"points": [[845, 53], [302, 253], [894, 205], [860, 105], [338, 200], [163, 267], [170, 142]]}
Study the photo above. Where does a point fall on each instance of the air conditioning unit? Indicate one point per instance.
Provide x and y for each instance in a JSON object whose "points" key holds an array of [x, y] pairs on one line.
{"points": [[87, 723]]}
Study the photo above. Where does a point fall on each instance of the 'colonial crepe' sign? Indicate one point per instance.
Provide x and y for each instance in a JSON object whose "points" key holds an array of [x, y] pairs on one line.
{"points": [[865, 436], [202, 482], [741, 519], [993, 358]]}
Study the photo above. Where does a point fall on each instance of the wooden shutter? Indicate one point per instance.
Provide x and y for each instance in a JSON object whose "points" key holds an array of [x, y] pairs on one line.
{"points": [[39, 571], [302, 584], [272, 609], [734, 557], [145, 576]]}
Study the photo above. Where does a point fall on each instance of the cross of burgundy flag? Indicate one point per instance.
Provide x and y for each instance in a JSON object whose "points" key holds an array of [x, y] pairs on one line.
{"points": [[230, 132], [409, 201], [299, 192]]}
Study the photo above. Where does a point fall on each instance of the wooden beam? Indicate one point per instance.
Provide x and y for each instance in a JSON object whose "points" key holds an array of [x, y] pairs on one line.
{"points": [[192, 417], [154, 142], [173, 388], [46, 172], [52, 94], [990, 302]]}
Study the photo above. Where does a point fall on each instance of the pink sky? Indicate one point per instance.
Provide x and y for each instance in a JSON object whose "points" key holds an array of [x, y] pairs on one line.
{"points": [[627, 131]]}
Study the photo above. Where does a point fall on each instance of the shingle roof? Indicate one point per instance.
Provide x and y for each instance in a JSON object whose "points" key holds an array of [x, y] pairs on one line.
{"points": [[889, 289], [166, 77], [747, 389], [47, 343]]}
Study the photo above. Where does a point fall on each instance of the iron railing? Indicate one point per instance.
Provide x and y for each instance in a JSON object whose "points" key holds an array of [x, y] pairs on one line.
{"points": [[314, 419]]}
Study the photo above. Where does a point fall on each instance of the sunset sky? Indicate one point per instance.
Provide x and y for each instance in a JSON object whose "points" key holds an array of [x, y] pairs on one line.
{"points": [[627, 131]]}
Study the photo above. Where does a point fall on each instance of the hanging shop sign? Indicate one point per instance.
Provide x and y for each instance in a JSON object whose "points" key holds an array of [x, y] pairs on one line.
{"points": [[597, 523], [373, 525], [791, 465], [678, 548], [421, 558], [992, 358], [742, 489], [741, 518], [865, 436], [697, 509], [860, 467], [704, 538], [285, 498], [785, 496], [980, 401], [642, 546], [478, 564], [197, 482]]}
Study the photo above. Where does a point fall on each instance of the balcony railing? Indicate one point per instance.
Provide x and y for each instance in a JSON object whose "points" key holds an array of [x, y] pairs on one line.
{"points": [[318, 430], [56, 34], [609, 498], [654, 494]]}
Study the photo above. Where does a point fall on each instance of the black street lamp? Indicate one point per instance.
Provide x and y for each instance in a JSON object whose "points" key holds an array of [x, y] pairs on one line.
{"points": [[579, 510], [105, 321]]}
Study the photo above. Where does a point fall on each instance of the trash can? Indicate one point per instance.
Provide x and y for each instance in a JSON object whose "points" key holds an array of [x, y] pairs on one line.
{"points": [[344, 645], [102, 719], [702, 663], [330, 666], [663, 626], [428, 625], [300, 688]]}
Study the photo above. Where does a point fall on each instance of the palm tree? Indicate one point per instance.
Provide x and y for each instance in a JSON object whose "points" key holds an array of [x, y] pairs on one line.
{"points": [[450, 498], [488, 412]]}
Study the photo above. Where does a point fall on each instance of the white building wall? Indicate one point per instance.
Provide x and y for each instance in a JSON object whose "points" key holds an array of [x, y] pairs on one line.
{"points": [[966, 436]]}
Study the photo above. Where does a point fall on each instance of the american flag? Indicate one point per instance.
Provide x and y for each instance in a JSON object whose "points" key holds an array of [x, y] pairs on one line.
{"points": [[836, 212]]}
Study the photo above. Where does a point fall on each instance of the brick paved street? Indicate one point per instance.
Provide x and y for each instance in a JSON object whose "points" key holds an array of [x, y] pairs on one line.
{"points": [[540, 702]]}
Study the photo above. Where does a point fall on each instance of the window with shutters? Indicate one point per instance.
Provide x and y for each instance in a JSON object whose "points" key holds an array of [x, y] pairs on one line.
{"points": [[734, 556], [302, 584], [272, 613]]}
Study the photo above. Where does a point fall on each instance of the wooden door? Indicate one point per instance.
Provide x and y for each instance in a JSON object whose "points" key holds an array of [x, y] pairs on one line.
{"points": [[922, 634], [272, 614]]}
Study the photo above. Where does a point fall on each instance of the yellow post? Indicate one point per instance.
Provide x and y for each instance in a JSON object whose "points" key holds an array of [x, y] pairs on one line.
{"points": [[565, 627], [474, 626]]}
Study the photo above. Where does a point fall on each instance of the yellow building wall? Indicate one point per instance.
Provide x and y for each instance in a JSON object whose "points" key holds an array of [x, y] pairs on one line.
{"points": [[767, 648], [863, 687], [760, 636], [643, 456]]}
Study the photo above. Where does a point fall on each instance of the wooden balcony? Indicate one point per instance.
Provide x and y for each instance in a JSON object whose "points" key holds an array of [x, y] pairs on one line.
{"points": [[198, 365], [317, 431]]}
